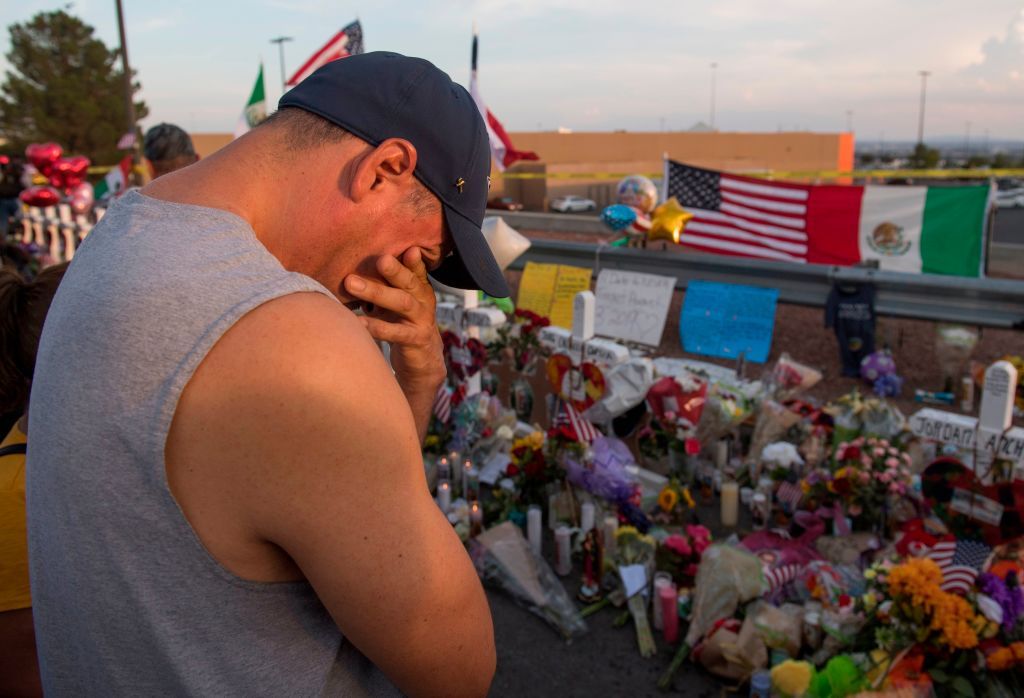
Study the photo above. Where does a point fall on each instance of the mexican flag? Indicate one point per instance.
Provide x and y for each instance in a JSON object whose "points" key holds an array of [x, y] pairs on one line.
{"points": [[255, 109], [115, 181], [915, 229]]}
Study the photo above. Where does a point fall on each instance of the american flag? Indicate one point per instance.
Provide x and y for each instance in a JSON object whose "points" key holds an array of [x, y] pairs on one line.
{"points": [[568, 416], [740, 216], [347, 42], [789, 495], [127, 141], [960, 562], [778, 577], [443, 403]]}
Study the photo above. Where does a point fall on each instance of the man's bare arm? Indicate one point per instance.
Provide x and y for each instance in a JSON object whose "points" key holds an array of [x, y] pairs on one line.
{"points": [[318, 456]]}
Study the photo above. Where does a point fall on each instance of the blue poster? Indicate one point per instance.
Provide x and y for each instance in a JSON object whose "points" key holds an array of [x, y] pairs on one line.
{"points": [[725, 320]]}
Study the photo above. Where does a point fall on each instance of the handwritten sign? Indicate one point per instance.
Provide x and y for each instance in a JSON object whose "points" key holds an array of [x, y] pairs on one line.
{"points": [[633, 306], [549, 290], [727, 320]]}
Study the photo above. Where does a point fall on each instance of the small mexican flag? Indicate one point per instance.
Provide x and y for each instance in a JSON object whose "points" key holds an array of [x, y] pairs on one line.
{"points": [[115, 181], [255, 109]]}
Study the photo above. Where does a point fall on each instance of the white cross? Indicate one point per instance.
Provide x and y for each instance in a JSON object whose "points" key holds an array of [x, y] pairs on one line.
{"points": [[580, 344], [991, 435], [465, 319]]}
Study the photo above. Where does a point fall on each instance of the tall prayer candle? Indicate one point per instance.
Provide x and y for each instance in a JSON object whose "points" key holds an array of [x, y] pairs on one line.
{"points": [[563, 561], [661, 580], [586, 516], [730, 503], [472, 484], [476, 519], [668, 598], [444, 469], [444, 495], [467, 466], [611, 525], [533, 528], [721, 453]]}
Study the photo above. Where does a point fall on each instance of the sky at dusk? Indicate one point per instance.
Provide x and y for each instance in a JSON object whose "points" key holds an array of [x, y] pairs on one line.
{"points": [[590, 65]]}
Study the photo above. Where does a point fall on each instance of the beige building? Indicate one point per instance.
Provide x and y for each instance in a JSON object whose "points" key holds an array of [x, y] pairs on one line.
{"points": [[590, 164]]}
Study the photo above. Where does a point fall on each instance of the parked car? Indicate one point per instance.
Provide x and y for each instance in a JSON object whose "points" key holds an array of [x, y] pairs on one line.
{"points": [[1010, 193], [567, 204], [505, 203]]}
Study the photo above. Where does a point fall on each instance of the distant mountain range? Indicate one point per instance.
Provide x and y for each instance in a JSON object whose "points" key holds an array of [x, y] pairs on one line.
{"points": [[978, 144]]}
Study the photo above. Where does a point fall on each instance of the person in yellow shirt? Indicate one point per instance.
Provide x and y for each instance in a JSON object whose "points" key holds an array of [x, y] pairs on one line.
{"points": [[23, 307]]}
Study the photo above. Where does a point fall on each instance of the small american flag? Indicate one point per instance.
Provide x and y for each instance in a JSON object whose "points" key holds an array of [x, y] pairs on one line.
{"points": [[778, 577], [127, 141], [741, 216], [443, 404], [568, 416], [960, 562], [789, 495]]}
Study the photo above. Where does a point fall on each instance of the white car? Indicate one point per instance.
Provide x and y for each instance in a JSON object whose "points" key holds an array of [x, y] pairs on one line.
{"points": [[567, 204], [1010, 193]]}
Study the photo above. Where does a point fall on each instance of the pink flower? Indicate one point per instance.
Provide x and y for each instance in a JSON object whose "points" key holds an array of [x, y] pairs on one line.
{"points": [[859, 441], [691, 570], [855, 509], [679, 545], [866, 460], [892, 462], [884, 443], [878, 452], [885, 477], [896, 488], [865, 477], [905, 457], [698, 532], [670, 416]]}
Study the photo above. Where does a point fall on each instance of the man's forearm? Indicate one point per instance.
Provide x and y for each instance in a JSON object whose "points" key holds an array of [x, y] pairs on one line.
{"points": [[422, 404]]}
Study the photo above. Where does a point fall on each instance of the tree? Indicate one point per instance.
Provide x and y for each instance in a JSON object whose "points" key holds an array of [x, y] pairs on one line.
{"points": [[924, 158], [65, 86]]}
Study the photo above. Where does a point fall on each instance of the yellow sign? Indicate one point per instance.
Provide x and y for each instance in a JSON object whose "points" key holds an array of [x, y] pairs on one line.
{"points": [[549, 290]]}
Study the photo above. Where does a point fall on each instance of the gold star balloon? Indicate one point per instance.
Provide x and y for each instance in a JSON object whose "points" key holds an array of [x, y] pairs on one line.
{"points": [[668, 221]]}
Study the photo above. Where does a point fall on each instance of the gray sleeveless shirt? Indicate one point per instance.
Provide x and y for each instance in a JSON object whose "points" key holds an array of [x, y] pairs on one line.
{"points": [[127, 600]]}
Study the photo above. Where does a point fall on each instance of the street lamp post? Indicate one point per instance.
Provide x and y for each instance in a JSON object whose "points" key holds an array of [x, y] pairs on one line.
{"points": [[129, 96], [714, 67], [280, 52], [920, 118], [849, 121]]}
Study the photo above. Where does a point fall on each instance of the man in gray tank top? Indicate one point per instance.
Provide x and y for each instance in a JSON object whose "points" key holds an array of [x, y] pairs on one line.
{"points": [[225, 489]]}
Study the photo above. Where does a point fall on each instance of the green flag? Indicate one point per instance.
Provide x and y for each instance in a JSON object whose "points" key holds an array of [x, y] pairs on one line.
{"points": [[255, 109]]}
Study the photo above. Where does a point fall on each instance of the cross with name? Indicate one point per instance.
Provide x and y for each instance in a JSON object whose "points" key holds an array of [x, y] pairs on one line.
{"points": [[464, 319], [991, 435]]}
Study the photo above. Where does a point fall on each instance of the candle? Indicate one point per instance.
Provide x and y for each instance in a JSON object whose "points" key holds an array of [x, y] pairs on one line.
{"points": [[444, 495], [563, 561], [444, 469], [661, 580], [473, 484], [760, 509], [586, 516], [467, 465], [721, 453], [611, 525], [730, 503], [668, 601], [533, 528], [476, 519]]}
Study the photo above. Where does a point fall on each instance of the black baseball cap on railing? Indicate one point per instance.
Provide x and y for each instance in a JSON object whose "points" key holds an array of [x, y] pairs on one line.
{"points": [[381, 95]]}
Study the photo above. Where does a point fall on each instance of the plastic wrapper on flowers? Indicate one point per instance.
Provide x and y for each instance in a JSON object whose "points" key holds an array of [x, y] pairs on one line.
{"points": [[503, 559], [606, 475], [724, 408], [472, 420], [727, 576]]}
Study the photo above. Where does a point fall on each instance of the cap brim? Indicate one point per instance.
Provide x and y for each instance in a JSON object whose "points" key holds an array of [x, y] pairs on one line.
{"points": [[472, 264]]}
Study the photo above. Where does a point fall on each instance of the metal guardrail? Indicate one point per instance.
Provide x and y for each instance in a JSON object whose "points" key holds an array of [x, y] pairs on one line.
{"points": [[983, 302]]}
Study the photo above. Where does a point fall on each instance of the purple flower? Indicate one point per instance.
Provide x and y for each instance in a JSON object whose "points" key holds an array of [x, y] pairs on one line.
{"points": [[1009, 598]]}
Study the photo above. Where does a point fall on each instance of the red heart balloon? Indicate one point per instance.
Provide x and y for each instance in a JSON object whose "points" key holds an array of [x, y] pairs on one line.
{"points": [[68, 173], [40, 196], [43, 156]]}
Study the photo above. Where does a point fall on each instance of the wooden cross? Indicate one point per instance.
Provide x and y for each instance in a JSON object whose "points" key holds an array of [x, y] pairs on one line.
{"points": [[991, 435], [465, 318]]}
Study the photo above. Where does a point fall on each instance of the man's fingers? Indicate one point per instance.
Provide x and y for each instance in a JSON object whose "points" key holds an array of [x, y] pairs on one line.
{"points": [[413, 260], [398, 275], [384, 331], [393, 299]]}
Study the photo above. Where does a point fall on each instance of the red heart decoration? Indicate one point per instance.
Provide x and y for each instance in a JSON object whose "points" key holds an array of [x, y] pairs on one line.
{"points": [[582, 387], [68, 173], [949, 487], [40, 196], [464, 359], [43, 156]]}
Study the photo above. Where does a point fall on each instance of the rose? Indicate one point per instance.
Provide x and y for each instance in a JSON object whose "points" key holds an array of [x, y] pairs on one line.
{"points": [[679, 545], [892, 462], [851, 453], [878, 452], [512, 470]]}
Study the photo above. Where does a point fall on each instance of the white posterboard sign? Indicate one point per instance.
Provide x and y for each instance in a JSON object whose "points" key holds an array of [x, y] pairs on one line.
{"points": [[632, 306]]}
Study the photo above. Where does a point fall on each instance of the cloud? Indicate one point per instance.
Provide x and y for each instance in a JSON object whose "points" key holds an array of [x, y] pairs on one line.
{"points": [[1002, 58]]}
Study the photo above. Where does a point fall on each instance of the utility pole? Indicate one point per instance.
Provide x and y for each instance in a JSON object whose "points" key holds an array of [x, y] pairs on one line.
{"points": [[714, 67], [280, 52], [920, 118], [849, 121], [129, 96]]}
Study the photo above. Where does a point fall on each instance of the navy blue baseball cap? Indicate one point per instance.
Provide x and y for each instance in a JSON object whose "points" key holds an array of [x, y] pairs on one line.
{"points": [[381, 95]]}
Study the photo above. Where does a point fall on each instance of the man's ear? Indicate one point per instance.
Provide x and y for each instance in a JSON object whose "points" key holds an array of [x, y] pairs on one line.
{"points": [[391, 163]]}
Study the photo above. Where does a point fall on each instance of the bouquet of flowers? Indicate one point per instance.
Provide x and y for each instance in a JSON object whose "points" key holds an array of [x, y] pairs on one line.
{"points": [[531, 470], [519, 340], [674, 503], [634, 550], [869, 473], [679, 554]]}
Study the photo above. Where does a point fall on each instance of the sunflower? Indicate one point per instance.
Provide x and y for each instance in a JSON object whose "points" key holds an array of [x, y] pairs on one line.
{"points": [[668, 499]]}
